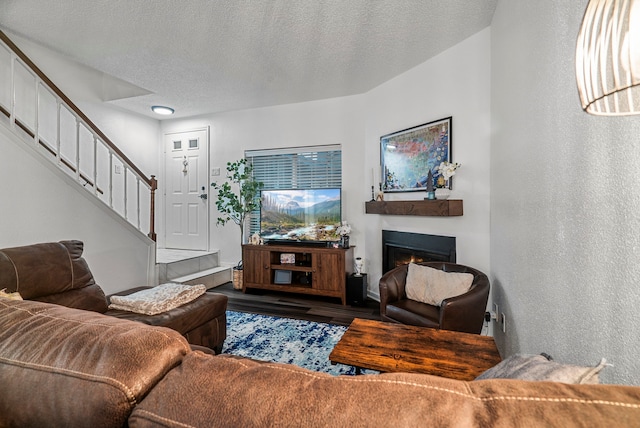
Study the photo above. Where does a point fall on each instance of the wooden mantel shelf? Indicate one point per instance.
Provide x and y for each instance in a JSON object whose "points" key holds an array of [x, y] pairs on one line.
{"points": [[438, 207]]}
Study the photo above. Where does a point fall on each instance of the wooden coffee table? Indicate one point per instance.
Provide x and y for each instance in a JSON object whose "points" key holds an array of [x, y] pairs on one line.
{"points": [[390, 347]]}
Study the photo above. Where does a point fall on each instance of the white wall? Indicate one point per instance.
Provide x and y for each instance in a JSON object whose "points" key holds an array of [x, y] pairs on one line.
{"points": [[332, 121], [137, 136], [455, 83], [40, 204], [565, 198]]}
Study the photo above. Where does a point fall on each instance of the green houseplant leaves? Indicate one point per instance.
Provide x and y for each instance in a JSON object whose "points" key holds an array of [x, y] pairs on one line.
{"points": [[237, 196]]}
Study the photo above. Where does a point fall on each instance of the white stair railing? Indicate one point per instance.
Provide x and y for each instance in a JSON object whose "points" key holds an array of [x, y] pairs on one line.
{"points": [[37, 110]]}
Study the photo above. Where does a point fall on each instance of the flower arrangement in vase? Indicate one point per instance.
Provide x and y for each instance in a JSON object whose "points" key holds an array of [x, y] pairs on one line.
{"points": [[446, 170], [344, 230]]}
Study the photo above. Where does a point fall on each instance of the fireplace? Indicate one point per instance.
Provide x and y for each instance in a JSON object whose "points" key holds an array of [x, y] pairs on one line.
{"points": [[401, 248]]}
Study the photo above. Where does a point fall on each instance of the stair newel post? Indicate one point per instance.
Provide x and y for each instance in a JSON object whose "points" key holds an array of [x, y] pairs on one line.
{"points": [[152, 211]]}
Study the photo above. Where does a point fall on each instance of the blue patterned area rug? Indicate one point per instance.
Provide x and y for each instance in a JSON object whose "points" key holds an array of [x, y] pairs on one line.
{"points": [[283, 340]]}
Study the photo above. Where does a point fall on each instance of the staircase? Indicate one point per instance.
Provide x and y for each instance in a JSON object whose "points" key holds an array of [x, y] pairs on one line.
{"points": [[45, 121], [34, 109], [191, 267]]}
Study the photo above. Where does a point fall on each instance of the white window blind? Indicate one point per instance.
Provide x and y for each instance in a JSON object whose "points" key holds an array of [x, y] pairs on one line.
{"points": [[313, 167]]}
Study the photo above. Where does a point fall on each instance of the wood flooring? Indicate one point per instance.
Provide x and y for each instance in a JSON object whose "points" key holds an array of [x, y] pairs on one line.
{"points": [[299, 306]]}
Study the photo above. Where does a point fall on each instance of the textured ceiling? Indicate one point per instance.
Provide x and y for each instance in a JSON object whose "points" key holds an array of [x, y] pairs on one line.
{"points": [[205, 56]]}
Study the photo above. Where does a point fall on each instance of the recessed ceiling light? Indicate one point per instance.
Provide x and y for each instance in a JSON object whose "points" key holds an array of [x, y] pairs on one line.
{"points": [[166, 111]]}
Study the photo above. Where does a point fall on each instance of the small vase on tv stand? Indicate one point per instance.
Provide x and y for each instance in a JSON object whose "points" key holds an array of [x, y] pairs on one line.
{"points": [[344, 241]]}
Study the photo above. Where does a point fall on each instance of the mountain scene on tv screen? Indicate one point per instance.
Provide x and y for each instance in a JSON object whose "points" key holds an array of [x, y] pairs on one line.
{"points": [[300, 215]]}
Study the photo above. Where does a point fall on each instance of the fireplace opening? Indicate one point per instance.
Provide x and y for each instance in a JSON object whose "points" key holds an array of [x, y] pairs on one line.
{"points": [[401, 248]]}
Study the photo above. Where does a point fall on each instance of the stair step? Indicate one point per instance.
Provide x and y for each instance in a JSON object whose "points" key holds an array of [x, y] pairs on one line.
{"points": [[211, 278], [173, 264], [168, 255]]}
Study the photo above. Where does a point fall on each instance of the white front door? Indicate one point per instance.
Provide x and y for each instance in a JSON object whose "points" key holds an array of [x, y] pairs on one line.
{"points": [[187, 190]]}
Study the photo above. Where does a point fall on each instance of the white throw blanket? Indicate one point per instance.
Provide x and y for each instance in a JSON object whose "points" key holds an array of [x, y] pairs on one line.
{"points": [[158, 299]]}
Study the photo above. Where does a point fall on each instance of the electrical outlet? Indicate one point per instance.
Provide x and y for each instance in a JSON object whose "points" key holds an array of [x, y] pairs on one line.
{"points": [[503, 321], [494, 312]]}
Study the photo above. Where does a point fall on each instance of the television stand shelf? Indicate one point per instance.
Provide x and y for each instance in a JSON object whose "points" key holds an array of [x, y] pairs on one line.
{"points": [[312, 270]]}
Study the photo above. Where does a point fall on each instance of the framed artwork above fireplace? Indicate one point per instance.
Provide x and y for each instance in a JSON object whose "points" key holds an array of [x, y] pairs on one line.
{"points": [[407, 156]]}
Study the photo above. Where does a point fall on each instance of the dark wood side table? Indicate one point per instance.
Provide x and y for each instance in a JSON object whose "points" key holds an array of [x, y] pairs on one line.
{"points": [[390, 347]]}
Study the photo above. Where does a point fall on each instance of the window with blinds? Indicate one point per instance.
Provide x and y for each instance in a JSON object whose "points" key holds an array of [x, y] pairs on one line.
{"points": [[314, 167]]}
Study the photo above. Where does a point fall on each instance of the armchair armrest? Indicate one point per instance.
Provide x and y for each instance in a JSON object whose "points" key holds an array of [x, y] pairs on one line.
{"points": [[465, 312], [392, 287]]}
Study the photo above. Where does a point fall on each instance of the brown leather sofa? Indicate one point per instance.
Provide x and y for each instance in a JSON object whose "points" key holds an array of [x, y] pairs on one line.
{"points": [[463, 313], [57, 273], [67, 367]]}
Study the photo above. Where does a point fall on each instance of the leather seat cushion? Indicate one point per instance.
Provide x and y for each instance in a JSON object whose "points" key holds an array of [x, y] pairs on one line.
{"points": [[72, 367], [414, 313], [184, 318]]}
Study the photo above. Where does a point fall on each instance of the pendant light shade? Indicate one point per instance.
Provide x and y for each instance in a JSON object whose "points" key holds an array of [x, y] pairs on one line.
{"points": [[608, 58]]}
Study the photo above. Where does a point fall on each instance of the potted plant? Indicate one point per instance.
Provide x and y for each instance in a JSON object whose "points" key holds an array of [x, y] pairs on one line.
{"points": [[236, 199]]}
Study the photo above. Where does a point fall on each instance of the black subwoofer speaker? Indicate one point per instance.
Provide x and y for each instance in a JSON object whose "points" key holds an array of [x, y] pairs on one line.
{"points": [[357, 290]]}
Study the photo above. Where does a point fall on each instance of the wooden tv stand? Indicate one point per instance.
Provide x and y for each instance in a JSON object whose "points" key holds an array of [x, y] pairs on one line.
{"points": [[319, 271]]}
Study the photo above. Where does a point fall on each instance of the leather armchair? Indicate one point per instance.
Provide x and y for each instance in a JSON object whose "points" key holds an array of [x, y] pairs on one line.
{"points": [[464, 313]]}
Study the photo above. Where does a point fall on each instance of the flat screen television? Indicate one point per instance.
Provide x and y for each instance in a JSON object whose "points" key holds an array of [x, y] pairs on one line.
{"points": [[305, 216]]}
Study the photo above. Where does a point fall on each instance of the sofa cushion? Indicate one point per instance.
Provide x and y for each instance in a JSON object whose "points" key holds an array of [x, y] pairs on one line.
{"points": [[428, 285], [206, 390], [68, 367], [541, 368], [48, 271]]}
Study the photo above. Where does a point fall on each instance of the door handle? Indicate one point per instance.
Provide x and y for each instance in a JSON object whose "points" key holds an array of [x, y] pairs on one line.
{"points": [[203, 195]]}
